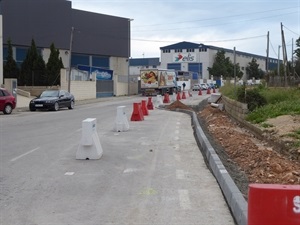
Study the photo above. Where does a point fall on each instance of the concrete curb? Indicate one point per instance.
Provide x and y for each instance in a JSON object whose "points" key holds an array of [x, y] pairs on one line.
{"points": [[233, 196]]}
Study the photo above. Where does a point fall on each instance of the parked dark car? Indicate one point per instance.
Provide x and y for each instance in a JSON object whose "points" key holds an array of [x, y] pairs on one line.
{"points": [[7, 101], [53, 100]]}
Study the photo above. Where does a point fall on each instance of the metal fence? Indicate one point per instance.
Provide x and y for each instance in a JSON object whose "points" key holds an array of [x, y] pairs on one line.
{"points": [[279, 81]]}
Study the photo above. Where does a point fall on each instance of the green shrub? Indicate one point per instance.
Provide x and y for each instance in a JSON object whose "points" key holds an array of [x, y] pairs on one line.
{"points": [[240, 93], [273, 110], [264, 102], [254, 99]]}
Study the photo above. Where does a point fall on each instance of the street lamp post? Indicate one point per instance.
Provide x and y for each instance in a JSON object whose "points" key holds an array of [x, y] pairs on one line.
{"points": [[128, 81], [200, 67], [70, 57]]}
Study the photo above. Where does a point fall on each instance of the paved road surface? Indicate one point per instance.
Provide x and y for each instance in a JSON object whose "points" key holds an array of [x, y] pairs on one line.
{"points": [[152, 174]]}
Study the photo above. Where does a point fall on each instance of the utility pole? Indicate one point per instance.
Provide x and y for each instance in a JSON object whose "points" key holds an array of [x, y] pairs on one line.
{"points": [[267, 60], [128, 81], [234, 70], [284, 56], [70, 57], [293, 66], [278, 62]]}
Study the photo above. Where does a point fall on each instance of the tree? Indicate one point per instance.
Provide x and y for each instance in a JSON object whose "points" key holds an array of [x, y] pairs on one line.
{"points": [[297, 51], [223, 66], [53, 66], [297, 58], [10, 68], [253, 70], [33, 68]]}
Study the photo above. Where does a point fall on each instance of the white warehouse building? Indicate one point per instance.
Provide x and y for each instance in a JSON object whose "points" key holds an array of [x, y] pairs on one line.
{"points": [[196, 58]]}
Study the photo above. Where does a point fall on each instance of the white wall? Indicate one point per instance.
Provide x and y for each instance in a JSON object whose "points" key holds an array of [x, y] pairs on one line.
{"points": [[1, 52], [64, 54], [80, 89]]}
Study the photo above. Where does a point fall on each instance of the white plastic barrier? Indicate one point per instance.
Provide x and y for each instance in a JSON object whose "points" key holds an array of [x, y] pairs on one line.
{"points": [[90, 147], [158, 101], [173, 97], [121, 122]]}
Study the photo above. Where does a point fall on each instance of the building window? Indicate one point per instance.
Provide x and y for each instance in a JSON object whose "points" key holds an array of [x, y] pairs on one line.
{"points": [[202, 49], [190, 50], [174, 66], [80, 60], [99, 61], [21, 54], [5, 53], [178, 50], [166, 51]]}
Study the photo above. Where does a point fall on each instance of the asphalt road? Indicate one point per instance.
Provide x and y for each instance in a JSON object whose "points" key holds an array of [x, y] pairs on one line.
{"points": [[152, 174]]}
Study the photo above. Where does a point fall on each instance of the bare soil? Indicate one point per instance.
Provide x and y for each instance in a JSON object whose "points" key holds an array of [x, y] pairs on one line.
{"points": [[272, 160]]}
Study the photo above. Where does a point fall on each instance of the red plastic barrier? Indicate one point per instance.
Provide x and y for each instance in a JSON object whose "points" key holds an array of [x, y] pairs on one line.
{"points": [[273, 204], [183, 95], [178, 97], [200, 92], [214, 90], [150, 104], [144, 108], [208, 91], [166, 98], [137, 114]]}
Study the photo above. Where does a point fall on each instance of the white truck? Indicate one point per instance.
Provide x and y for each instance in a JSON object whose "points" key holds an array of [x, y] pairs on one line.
{"points": [[158, 81]]}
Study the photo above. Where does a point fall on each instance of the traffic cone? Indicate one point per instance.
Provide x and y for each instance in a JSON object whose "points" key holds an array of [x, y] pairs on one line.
{"points": [[137, 114], [166, 98], [178, 96], [208, 91], [200, 92], [183, 95], [214, 90], [150, 104], [144, 108]]}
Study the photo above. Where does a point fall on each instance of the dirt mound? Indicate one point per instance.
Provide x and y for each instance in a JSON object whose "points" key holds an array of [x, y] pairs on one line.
{"points": [[254, 157], [178, 105]]}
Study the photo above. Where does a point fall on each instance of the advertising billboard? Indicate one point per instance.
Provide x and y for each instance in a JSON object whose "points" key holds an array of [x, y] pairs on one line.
{"points": [[100, 73]]}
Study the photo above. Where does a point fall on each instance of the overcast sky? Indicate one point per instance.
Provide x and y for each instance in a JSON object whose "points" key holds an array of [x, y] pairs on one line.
{"points": [[242, 24]]}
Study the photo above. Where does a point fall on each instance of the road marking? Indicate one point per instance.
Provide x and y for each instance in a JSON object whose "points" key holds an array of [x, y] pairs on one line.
{"points": [[20, 156], [179, 174], [69, 173], [176, 138], [184, 199], [130, 170]]}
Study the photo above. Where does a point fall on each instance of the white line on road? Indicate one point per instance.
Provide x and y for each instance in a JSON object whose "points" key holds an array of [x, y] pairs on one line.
{"points": [[20, 156], [184, 199]]}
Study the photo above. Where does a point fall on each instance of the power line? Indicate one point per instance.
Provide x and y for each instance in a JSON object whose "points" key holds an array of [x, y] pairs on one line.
{"points": [[216, 18], [228, 40], [291, 31], [209, 25]]}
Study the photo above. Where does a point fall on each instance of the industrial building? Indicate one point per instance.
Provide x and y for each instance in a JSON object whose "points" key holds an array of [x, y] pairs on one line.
{"points": [[95, 41], [196, 58]]}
